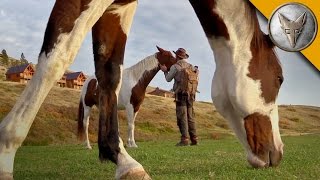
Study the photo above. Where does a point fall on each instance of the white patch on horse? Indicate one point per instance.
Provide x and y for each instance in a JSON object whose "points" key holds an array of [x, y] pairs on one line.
{"points": [[275, 129], [120, 82], [247, 93], [147, 64], [131, 116]]}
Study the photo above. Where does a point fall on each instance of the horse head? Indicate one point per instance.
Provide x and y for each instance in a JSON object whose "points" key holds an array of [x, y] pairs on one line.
{"points": [[165, 57], [247, 78], [262, 126]]}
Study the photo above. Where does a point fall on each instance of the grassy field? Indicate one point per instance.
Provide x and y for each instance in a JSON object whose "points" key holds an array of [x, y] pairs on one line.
{"points": [[212, 159]]}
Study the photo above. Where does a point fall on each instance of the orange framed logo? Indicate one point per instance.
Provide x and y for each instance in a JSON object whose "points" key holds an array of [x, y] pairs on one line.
{"points": [[312, 52]]}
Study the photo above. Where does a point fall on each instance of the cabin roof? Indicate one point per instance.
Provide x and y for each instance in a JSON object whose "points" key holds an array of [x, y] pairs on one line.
{"points": [[17, 69], [157, 90], [73, 75]]}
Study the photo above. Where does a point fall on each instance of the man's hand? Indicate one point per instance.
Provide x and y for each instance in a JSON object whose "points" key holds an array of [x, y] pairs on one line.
{"points": [[163, 68]]}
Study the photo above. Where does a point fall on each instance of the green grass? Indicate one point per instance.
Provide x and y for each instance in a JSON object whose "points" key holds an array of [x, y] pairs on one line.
{"points": [[212, 159]]}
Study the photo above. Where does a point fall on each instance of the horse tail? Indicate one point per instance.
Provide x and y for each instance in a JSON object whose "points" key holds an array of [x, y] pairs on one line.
{"points": [[80, 121]]}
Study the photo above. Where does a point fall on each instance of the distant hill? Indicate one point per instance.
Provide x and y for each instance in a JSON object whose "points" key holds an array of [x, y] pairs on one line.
{"points": [[56, 121]]}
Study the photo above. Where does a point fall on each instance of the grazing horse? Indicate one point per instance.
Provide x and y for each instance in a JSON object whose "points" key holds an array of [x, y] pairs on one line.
{"points": [[244, 88], [132, 92]]}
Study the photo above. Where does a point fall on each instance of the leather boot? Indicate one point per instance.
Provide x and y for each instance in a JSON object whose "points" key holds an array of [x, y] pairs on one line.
{"points": [[184, 142], [194, 141]]}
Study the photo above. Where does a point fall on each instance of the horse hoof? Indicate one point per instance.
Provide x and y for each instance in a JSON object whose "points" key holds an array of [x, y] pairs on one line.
{"points": [[89, 147], [132, 146], [135, 175]]}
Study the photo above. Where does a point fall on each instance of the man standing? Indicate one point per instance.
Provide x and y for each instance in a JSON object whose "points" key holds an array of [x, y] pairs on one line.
{"points": [[184, 88]]}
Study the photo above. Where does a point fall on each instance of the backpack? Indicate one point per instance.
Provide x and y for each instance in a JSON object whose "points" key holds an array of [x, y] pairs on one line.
{"points": [[188, 79]]}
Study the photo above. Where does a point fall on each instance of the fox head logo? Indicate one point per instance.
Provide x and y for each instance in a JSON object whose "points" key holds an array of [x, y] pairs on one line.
{"points": [[292, 28]]}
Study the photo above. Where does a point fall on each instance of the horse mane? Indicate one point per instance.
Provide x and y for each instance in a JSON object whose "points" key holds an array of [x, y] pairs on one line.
{"points": [[146, 64], [258, 36], [260, 40]]}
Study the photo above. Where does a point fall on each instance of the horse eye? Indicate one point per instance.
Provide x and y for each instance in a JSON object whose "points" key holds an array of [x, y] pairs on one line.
{"points": [[280, 79], [298, 31]]}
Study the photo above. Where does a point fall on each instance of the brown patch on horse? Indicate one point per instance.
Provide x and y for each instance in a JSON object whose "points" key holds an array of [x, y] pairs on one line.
{"points": [[139, 90], [264, 65], [62, 18], [92, 95], [211, 22], [259, 135]]}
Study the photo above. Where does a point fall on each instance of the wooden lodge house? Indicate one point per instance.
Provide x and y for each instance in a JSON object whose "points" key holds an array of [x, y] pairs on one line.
{"points": [[161, 92], [21, 73], [75, 80]]}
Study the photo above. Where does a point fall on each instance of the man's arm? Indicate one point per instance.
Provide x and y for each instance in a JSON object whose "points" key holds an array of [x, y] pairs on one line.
{"points": [[169, 75]]}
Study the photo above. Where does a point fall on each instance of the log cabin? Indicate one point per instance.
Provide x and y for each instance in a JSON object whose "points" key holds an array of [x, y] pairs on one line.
{"points": [[21, 73], [75, 80]]}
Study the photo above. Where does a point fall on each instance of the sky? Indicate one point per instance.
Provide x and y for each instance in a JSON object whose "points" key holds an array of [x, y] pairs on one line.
{"points": [[166, 23]]}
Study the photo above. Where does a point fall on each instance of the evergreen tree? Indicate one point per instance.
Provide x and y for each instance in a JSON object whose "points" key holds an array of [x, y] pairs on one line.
{"points": [[23, 59], [5, 57]]}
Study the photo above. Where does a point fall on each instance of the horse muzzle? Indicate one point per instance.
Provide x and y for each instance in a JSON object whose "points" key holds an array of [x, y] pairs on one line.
{"points": [[268, 159]]}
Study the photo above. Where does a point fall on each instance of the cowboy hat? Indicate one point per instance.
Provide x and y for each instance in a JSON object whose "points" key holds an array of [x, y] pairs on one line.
{"points": [[181, 53]]}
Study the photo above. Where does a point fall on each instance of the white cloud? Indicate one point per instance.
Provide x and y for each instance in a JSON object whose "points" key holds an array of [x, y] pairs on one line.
{"points": [[2, 13]]}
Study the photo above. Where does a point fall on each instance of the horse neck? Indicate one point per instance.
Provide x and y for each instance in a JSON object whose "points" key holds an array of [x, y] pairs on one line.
{"points": [[144, 71], [230, 27]]}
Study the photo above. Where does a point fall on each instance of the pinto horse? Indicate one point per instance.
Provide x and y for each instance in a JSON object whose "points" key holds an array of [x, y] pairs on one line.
{"points": [[132, 92], [245, 86]]}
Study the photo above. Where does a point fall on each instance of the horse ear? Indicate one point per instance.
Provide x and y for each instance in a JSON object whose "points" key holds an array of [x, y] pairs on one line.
{"points": [[159, 49]]}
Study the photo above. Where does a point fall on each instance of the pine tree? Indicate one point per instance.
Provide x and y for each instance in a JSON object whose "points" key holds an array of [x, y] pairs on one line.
{"points": [[23, 59], [5, 57]]}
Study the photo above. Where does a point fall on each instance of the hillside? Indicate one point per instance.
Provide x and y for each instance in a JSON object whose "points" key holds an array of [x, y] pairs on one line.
{"points": [[56, 121]]}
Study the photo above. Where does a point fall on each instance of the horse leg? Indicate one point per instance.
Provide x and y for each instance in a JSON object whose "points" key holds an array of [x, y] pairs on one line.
{"points": [[86, 118], [131, 116], [65, 32], [109, 36]]}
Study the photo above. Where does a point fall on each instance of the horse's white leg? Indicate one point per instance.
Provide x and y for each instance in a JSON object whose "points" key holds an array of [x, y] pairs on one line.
{"points": [[127, 167], [86, 118], [131, 116], [57, 53]]}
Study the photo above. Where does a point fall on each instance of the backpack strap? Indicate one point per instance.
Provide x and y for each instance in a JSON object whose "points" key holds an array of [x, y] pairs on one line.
{"points": [[182, 64]]}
